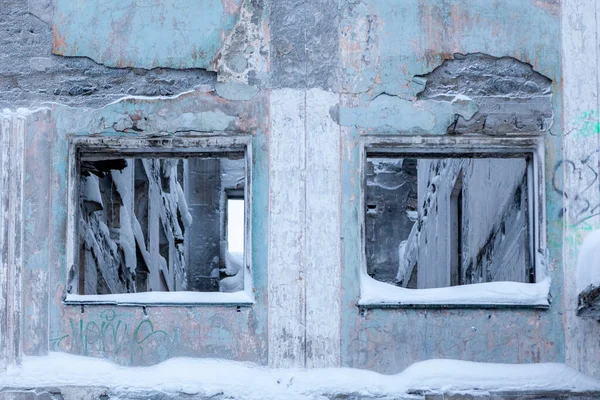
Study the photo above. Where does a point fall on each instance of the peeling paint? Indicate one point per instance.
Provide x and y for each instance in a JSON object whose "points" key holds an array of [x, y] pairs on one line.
{"points": [[244, 56], [144, 33], [383, 68], [392, 114]]}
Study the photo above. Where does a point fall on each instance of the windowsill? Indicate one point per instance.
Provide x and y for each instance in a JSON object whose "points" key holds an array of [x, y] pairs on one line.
{"points": [[236, 299], [375, 294]]}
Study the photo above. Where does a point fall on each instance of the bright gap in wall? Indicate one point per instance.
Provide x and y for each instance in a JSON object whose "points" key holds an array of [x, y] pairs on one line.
{"points": [[235, 225]]}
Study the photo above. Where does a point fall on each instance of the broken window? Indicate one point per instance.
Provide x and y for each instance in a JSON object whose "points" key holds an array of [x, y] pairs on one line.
{"points": [[435, 221], [154, 222]]}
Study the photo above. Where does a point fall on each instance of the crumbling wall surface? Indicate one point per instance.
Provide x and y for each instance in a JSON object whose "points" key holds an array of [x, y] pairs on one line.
{"points": [[576, 175], [511, 97], [306, 80], [496, 71], [30, 74], [304, 44], [134, 336]]}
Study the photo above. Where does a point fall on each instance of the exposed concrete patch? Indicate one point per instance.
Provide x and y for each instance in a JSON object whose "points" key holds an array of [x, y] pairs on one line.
{"points": [[103, 393], [55, 393], [305, 44], [552, 6], [589, 303], [245, 53], [31, 75], [514, 395], [510, 96], [470, 94], [207, 121], [43, 9]]}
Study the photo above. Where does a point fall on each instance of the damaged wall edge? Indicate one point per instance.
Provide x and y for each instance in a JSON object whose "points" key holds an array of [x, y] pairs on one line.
{"points": [[511, 97], [469, 94], [32, 77]]}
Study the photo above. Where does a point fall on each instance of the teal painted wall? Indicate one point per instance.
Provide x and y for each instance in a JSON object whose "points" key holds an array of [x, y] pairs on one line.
{"points": [[358, 50], [384, 46]]}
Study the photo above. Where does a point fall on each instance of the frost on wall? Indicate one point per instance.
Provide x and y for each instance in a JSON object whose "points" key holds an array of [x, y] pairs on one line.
{"points": [[155, 225], [446, 222]]}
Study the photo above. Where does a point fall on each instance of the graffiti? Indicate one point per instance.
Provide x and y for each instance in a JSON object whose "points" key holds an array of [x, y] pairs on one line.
{"points": [[577, 182], [575, 237], [587, 124], [111, 337]]}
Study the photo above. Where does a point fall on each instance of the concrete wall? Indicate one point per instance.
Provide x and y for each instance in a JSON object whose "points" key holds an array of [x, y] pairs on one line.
{"points": [[384, 46], [308, 81], [576, 174]]}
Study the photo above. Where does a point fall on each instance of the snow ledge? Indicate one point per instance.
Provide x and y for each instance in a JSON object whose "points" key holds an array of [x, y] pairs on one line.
{"points": [[240, 298], [375, 294]]}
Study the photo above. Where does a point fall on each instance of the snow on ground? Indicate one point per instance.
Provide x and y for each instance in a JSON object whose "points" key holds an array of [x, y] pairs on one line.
{"points": [[248, 381]]}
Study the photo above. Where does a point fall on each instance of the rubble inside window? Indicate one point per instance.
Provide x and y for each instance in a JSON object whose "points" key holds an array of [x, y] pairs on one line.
{"points": [[160, 224], [448, 220]]}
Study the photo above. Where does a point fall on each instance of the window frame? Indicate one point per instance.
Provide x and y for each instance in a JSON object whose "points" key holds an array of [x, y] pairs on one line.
{"points": [[413, 146], [169, 147]]}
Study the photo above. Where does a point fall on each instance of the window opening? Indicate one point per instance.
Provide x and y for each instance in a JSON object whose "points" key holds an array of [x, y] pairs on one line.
{"points": [[154, 223], [449, 220]]}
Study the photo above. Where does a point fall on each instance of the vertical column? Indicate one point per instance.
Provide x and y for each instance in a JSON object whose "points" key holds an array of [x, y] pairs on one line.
{"points": [[576, 174], [36, 231], [323, 225], [12, 133], [4, 276], [287, 211], [304, 230]]}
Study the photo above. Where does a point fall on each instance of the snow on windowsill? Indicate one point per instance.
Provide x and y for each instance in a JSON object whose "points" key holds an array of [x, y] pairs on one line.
{"points": [[374, 294], [242, 380], [241, 298], [588, 264]]}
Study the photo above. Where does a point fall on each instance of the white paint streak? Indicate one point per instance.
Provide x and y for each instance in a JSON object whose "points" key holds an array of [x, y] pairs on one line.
{"points": [[11, 234], [304, 234], [323, 264], [580, 88], [286, 232], [4, 181]]}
